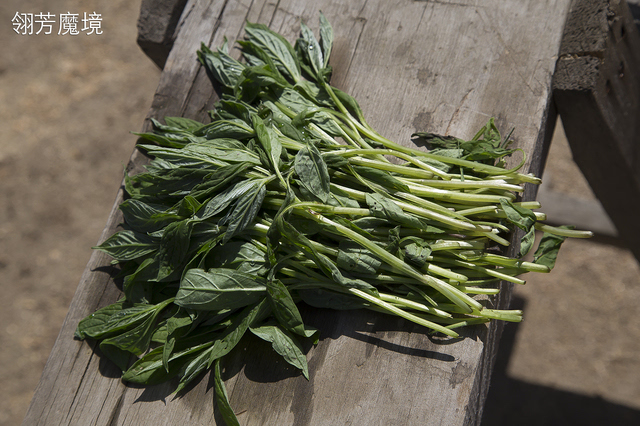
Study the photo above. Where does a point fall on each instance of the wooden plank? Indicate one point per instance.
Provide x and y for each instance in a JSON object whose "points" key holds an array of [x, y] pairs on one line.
{"points": [[597, 92], [445, 67], [156, 27]]}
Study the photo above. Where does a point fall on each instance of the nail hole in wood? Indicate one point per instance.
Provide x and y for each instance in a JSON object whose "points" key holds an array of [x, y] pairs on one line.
{"points": [[621, 69]]}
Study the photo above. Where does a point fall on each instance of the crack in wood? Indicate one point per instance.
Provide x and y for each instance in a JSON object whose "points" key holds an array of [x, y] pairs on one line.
{"points": [[115, 414], [456, 113]]}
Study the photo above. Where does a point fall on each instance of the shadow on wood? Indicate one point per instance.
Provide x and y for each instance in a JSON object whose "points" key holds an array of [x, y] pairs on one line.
{"points": [[515, 402], [597, 92]]}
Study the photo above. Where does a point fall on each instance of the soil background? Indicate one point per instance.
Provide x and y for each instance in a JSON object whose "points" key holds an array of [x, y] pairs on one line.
{"points": [[67, 107]]}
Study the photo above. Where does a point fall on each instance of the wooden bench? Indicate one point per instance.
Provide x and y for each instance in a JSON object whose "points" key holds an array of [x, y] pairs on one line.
{"points": [[439, 66]]}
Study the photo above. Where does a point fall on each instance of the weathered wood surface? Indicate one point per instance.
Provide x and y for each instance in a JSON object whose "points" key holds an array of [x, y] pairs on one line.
{"points": [[441, 66], [157, 27], [597, 92]]}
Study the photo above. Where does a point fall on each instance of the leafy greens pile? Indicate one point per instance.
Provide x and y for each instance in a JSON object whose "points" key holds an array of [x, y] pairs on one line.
{"points": [[288, 195]]}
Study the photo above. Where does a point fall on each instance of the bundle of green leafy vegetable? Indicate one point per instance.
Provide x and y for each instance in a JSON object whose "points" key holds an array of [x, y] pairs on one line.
{"points": [[289, 196]]}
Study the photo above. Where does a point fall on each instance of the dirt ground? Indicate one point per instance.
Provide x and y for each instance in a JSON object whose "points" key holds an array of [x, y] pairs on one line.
{"points": [[67, 105]]}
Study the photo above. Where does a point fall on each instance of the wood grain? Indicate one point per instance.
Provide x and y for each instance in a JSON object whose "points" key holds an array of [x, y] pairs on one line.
{"points": [[597, 90], [441, 66]]}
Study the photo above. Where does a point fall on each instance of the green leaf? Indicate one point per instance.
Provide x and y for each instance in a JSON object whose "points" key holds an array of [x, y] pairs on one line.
{"points": [[149, 369], [240, 323], [222, 178], [193, 368], [176, 327], [128, 245], [222, 399], [320, 118], [312, 172], [326, 38], [183, 123], [174, 247], [285, 309], [417, 252], [92, 325], [243, 256], [355, 258], [223, 152], [135, 341], [219, 288], [383, 207], [143, 217], [188, 206], [519, 216], [548, 249], [245, 210], [233, 129], [285, 345], [220, 65], [268, 140], [234, 109], [277, 47], [294, 101], [311, 48], [225, 198], [527, 241], [262, 64], [136, 286], [349, 102], [164, 141]]}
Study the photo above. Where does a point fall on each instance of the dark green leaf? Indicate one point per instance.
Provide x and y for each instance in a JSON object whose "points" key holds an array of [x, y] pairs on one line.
{"points": [[417, 252], [193, 368], [162, 140], [326, 38], [240, 323], [149, 369], [312, 172], [243, 256], [294, 101], [285, 345], [285, 309], [311, 48], [219, 288], [527, 241], [136, 286], [245, 210], [383, 207], [220, 65], [92, 325], [548, 248], [224, 199], [222, 400], [174, 247], [277, 47], [176, 326], [183, 123], [355, 258], [323, 262], [519, 216], [234, 129], [128, 245], [145, 218], [268, 140]]}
